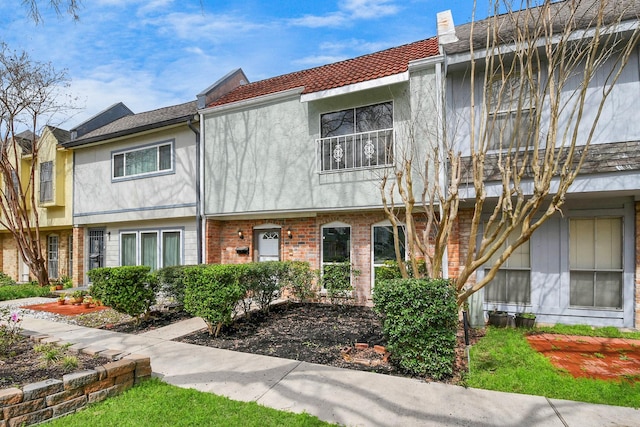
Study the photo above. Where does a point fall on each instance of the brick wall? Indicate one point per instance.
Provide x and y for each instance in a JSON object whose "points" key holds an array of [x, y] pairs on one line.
{"points": [[78, 256], [11, 258], [637, 275], [304, 244], [38, 402]]}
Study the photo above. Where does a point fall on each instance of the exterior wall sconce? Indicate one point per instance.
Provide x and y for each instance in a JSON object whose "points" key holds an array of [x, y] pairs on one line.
{"points": [[240, 235], [289, 233]]}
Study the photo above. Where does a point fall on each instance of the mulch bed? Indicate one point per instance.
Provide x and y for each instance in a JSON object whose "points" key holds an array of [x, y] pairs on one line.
{"points": [[591, 357], [316, 333], [24, 366]]}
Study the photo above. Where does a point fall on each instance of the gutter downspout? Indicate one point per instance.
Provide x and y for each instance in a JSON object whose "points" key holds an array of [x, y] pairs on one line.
{"points": [[196, 131]]}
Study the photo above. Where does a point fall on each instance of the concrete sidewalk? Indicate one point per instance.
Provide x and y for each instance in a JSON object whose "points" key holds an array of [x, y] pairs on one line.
{"points": [[348, 397]]}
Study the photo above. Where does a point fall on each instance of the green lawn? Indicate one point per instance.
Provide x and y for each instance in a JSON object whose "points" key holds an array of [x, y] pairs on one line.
{"points": [[154, 403], [503, 360]]}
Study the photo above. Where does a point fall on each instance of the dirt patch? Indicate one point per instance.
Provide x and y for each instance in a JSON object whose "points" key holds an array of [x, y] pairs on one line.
{"points": [[591, 357], [65, 309]]}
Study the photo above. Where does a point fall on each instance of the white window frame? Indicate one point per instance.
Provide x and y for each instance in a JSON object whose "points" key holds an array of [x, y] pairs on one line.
{"points": [[43, 183], [158, 171], [595, 269], [386, 223], [347, 143], [506, 268], [53, 263], [506, 107], [336, 224], [159, 244]]}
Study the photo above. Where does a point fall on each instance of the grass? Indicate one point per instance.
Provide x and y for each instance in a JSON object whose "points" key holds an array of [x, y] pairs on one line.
{"points": [[154, 403], [11, 292], [503, 360]]}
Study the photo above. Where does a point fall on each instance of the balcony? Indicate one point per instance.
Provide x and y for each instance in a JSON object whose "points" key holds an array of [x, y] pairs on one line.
{"points": [[356, 151]]}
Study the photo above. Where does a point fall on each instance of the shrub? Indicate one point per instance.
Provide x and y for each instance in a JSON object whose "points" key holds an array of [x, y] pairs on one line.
{"points": [[130, 289], [336, 279], [390, 270], [263, 280], [171, 282], [419, 320], [10, 292], [5, 280], [212, 292], [298, 279]]}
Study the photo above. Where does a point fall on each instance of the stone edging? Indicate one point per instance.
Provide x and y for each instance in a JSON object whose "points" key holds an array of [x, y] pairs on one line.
{"points": [[52, 398]]}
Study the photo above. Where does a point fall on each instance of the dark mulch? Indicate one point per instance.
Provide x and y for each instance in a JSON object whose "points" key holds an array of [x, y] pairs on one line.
{"points": [[154, 320], [22, 365], [314, 333]]}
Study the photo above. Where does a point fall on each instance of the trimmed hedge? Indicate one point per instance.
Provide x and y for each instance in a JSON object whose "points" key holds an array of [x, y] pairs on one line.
{"points": [[171, 282], [129, 289], [212, 292], [419, 319]]}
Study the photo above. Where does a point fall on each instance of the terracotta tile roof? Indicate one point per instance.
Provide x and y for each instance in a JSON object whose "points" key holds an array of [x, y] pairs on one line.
{"points": [[368, 67]]}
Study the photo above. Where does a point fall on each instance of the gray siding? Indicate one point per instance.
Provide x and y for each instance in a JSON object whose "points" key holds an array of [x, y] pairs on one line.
{"points": [[263, 158], [99, 199]]}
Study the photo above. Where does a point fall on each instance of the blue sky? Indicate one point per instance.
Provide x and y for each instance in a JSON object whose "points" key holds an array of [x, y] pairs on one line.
{"points": [[154, 53]]}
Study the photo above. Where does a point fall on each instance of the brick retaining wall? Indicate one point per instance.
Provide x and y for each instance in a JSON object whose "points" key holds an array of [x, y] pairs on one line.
{"points": [[52, 398]]}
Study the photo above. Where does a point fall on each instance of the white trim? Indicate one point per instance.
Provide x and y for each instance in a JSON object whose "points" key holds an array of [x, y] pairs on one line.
{"points": [[423, 63], [267, 227], [356, 87], [251, 102]]}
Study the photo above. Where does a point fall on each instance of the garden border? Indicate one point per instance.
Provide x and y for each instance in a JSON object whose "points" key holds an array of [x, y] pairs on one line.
{"points": [[53, 398]]}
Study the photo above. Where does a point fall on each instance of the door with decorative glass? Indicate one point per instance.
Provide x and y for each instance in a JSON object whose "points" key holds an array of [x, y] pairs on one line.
{"points": [[268, 242]]}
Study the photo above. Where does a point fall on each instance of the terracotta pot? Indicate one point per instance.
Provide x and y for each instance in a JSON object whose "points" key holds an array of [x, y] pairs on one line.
{"points": [[86, 304], [58, 287], [61, 302]]}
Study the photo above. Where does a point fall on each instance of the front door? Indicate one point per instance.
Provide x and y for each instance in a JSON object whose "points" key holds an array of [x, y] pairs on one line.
{"points": [[96, 249], [268, 245]]}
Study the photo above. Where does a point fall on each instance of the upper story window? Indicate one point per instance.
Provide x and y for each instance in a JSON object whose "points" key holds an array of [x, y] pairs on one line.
{"points": [[356, 138], [511, 123], [143, 161], [46, 182]]}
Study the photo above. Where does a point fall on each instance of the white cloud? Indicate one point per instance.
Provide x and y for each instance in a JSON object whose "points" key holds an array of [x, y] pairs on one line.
{"points": [[350, 10], [313, 61], [367, 9]]}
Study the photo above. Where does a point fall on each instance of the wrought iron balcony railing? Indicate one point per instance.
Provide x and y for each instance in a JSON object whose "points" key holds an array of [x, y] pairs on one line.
{"points": [[356, 151]]}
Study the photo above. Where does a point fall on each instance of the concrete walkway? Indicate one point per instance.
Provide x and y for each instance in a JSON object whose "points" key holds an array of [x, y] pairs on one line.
{"points": [[347, 397]]}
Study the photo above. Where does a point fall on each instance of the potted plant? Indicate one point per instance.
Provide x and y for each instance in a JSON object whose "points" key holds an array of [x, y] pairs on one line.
{"points": [[62, 300], [86, 302], [78, 296], [498, 318], [525, 320]]}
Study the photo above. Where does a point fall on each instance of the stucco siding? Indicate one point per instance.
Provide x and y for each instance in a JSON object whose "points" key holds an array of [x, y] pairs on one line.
{"points": [[612, 125], [263, 159], [98, 198]]}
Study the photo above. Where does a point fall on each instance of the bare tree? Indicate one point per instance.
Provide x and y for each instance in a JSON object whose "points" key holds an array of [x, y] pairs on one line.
{"points": [[28, 94], [72, 8], [531, 76]]}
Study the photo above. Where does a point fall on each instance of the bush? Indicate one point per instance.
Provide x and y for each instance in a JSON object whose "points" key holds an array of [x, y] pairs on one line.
{"points": [[5, 280], [212, 292], [336, 279], [419, 320], [171, 282], [11, 292], [130, 289], [390, 270], [264, 281], [298, 279]]}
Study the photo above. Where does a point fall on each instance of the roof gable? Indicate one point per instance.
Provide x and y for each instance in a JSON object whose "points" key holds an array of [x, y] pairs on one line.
{"points": [[364, 68]]}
